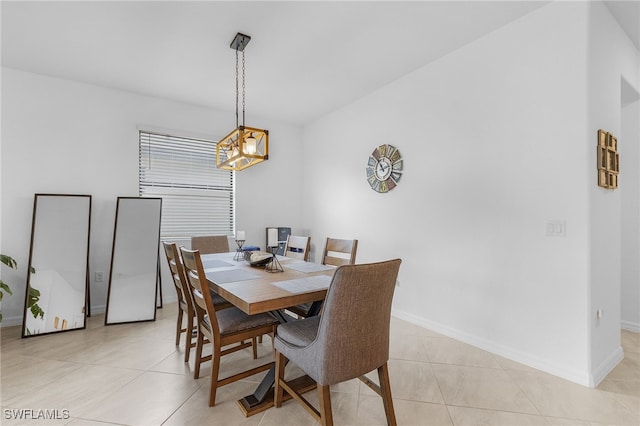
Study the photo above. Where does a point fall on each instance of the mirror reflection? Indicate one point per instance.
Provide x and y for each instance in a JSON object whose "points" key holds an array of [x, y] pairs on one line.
{"points": [[133, 278], [57, 285]]}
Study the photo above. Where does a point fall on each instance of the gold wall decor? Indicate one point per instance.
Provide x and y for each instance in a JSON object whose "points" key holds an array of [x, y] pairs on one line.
{"points": [[608, 160]]}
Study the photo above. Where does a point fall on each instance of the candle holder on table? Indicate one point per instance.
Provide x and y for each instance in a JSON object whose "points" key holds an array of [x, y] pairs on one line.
{"points": [[239, 252], [274, 264]]}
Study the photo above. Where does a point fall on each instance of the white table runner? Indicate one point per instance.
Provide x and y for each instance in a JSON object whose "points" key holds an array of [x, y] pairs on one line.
{"points": [[230, 275], [304, 285], [308, 267]]}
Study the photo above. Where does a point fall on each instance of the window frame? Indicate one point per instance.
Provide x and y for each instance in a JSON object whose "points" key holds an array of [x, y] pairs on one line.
{"points": [[189, 183]]}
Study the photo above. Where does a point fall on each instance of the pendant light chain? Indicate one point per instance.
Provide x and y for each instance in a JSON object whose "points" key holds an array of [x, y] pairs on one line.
{"points": [[243, 147], [237, 93], [243, 88]]}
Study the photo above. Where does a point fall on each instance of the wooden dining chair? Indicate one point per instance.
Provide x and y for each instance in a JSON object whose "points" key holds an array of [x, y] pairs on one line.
{"points": [[339, 252], [222, 328], [210, 244], [185, 302], [349, 339], [336, 252], [297, 247]]}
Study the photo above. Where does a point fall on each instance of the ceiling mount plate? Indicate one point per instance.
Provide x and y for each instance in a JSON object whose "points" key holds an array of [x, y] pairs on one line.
{"points": [[240, 42]]}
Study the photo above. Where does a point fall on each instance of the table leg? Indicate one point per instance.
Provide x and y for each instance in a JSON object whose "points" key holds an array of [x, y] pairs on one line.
{"points": [[251, 404], [315, 308], [262, 398], [260, 394]]}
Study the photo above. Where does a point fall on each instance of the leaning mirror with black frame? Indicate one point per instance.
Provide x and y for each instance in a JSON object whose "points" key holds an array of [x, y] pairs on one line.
{"points": [[56, 296], [133, 279]]}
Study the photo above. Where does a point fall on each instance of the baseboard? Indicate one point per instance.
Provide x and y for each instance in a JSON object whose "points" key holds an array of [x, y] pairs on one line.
{"points": [[605, 368], [103, 308], [100, 309], [95, 310], [575, 376], [169, 299], [630, 326], [10, 321]]}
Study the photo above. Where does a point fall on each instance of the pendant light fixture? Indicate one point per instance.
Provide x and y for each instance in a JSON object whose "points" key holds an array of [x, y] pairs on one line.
{"points": [[244, 146]]}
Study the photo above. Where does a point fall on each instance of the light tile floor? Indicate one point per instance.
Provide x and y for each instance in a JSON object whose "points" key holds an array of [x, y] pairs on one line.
{"points": [[133, 374]]}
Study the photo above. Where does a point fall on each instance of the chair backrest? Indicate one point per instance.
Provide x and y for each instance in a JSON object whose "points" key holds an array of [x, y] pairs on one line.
{"points": [[199, 288], [297, 247], [177, 273], [353, 336], [210, 244], [339, 252]]}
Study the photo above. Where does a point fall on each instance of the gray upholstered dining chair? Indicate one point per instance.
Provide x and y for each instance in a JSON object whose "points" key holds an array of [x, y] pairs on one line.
{"points": [[349, 339], [185, 302], [221, 328], [210, 244]]}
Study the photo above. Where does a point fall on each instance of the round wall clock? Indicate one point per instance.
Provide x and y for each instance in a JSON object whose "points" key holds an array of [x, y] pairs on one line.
{"points": [[384, 168]]}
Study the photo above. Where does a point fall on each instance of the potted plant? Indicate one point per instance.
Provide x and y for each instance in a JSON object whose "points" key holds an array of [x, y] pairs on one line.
{"points": [[33, 296]]}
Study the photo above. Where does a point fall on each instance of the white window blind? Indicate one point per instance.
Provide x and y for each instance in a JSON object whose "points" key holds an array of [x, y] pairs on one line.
{"points": [[197, 197]]}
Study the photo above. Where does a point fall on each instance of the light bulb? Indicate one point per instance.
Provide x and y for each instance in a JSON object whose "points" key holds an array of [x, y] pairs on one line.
{"points": [[250, 144]]}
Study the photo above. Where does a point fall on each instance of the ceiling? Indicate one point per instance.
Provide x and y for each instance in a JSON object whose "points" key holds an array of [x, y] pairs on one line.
{"points": [[305, 59], [627, 13]]}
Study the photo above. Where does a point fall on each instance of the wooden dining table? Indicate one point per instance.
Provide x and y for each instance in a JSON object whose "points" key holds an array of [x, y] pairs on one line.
{"points": [[254, 290]]}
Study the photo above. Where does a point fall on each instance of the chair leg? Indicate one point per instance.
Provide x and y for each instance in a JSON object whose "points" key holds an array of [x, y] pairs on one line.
{"points": [[188, 339], [324, 395], [278, 391], [179, 325], [215, 370], [199, 345], [385, 389], [254, 346]]}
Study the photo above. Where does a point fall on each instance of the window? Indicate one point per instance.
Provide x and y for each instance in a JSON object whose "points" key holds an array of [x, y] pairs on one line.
{"points": [[197, 197]]}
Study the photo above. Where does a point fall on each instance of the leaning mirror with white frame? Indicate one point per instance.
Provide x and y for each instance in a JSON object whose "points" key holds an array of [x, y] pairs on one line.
{"points": [[57, 282], [132, 294]]}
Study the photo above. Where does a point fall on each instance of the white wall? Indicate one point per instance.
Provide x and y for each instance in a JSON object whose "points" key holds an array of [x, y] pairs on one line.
{"points": [[630, 187], [612, 56], [65, 137], [498, 138], [493, 137]]}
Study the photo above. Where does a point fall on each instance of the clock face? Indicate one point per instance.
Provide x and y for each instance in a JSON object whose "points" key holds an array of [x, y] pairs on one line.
{"points": [[384, 168]]}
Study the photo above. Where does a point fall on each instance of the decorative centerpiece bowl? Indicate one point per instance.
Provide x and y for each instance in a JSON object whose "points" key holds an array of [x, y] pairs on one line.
{"points": [[259, 258]]}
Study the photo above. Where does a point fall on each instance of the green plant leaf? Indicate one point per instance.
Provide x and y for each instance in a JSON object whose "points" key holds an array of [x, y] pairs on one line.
{"points": [[9, 261], [36, 311], [33, 298], [4, 287]]}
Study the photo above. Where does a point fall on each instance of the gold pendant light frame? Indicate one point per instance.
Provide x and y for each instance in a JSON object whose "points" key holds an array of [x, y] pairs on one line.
{"points": [[244, 146]]}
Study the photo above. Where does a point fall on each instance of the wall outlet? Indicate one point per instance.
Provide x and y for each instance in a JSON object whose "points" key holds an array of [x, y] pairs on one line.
{"points": [[99, 276], [556, 228]]}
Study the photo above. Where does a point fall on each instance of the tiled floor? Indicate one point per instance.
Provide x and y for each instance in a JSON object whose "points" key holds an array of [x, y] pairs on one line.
{"points": [[133, 374]]}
